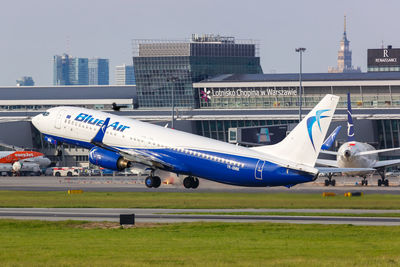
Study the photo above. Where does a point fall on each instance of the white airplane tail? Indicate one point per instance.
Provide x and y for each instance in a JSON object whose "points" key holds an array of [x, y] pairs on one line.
{"points": [[303, 143]]}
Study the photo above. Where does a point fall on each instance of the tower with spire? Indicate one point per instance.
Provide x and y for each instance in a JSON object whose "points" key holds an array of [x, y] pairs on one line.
{"points": [[344, 56]]}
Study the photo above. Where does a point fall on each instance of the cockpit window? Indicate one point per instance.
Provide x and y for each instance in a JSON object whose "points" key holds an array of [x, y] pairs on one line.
{"points": [[46, 113]]}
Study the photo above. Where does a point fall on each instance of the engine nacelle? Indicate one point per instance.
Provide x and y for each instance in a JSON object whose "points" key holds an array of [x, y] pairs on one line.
{"points": [[16, 166], [107, 159]]}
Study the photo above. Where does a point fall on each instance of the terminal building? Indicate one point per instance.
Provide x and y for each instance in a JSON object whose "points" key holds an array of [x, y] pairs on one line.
{"points": [[210, 96]]}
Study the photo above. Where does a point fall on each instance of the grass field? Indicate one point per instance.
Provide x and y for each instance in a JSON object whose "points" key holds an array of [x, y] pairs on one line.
{"points": [[34, 243], [280, 213], [193, 200]]}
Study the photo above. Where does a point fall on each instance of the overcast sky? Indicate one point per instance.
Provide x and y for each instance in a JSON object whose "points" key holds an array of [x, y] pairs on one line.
{"points": [[33, 31]]}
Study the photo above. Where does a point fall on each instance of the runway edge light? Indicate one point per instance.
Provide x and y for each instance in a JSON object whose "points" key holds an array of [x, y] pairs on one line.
{"points": [[353, 194], [328, 194], [70, 192]]}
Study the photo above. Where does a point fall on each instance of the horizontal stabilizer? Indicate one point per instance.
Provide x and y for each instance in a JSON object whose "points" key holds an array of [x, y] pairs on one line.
{"points": [[386, 163], [341, 170], [327, 162], [371, 152], [334, 153]]}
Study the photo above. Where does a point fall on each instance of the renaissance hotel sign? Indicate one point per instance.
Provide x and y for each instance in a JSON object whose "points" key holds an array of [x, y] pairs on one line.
{"points": [[383, 57], [208, 94]]}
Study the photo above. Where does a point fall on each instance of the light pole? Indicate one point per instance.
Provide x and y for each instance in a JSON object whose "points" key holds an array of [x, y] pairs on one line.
{"points": [[300, 50]]}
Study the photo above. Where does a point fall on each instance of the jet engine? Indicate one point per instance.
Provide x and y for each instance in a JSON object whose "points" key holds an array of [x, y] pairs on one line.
{"points": [[16, 166], [107, 159]]}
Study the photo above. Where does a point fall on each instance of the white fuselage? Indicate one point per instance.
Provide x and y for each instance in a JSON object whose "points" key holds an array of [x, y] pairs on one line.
{"points": [[194, 155], [348, 157]]}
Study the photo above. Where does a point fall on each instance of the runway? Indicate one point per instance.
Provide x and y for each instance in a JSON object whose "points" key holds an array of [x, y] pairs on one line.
{"points": [[135, 184], [168, 216]]}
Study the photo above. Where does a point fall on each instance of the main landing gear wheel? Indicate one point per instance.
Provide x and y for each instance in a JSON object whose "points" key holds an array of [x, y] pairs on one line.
{"points": [[382, 181], [364, 181], [191, 182], [330, 181], [152, 181]]}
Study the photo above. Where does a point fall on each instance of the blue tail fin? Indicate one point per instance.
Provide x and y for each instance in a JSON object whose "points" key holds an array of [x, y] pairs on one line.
{"points": [[350, 125], [329, 141]]}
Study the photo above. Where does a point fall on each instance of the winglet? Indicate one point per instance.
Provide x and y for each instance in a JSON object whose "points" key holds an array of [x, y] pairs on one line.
{"points": [[98, 138], [329, 141], [350, 124]]}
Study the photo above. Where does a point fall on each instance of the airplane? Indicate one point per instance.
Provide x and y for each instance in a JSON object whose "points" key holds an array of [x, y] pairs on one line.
{"points": [[353, 154], [117, 143], [22, 162]]}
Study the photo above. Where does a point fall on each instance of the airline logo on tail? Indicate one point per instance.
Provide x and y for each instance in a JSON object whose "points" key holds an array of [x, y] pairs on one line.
{"points": [[311, 120], [350, 125]]}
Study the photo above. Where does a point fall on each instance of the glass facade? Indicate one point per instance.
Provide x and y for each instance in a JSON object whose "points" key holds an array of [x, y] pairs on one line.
{"points": [[388, 133], [287, 96], [218, 129], [167, 70], [78, 71], [98, 71], [61, 70], [125, 75]]}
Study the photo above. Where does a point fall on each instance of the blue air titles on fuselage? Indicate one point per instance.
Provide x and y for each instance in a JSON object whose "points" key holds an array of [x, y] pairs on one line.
{"points": [[89, 119]]}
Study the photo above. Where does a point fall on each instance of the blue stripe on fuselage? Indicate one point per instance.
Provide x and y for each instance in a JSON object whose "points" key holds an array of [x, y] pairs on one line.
{"points": [[272, 174]]}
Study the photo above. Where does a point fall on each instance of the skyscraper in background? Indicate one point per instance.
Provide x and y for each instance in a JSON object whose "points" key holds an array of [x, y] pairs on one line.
{"points": [[78, 71], [124, 75], [61, 70], [98, 71], [344, 56], [68, 70]]}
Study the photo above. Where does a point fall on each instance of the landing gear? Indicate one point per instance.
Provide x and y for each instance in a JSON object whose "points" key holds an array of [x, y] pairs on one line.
{"points": [[330, 181], [191, 182], [153, 181], [364, 181], [382, 181]]}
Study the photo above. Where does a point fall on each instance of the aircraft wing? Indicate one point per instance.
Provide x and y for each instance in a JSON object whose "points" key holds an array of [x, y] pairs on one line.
{"points": [[341, 170], [386, 163], [370, 152], [327, 162], [142, 156]]}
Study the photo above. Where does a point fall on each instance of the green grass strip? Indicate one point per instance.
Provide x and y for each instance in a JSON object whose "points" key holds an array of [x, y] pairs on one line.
{"points": [[68, 243], [154, 199], [328, 214]]}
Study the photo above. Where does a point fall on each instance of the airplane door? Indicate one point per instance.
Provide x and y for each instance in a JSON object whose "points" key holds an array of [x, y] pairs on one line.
{"points": [[259, 169], [59, 119]]}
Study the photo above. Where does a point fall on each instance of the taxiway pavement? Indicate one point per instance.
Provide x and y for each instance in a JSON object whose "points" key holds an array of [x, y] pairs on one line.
{"points": [[171, 216]]}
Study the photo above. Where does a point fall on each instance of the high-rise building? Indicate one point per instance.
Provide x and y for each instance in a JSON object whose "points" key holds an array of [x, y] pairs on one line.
{"points": [[61, 70], [344, 56], [25, 81], [69, 70], [165, 70], [78, 71], [98, 71], [124, 75]]}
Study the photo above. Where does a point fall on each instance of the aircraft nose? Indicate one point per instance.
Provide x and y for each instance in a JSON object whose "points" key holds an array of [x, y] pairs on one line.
{"points": [[46, 162], [35, 120]]}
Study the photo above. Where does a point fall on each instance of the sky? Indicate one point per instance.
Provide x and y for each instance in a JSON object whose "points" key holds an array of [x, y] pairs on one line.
{"points": [[32, 32]]}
